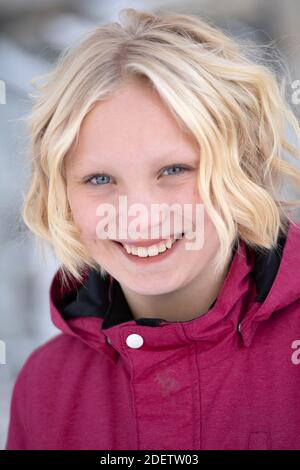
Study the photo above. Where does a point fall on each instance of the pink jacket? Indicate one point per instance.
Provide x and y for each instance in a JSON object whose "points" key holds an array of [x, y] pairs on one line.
{"points": [[229, 379]]}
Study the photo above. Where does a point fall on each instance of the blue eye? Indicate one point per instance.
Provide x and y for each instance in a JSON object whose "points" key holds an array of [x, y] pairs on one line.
{"points": [[97, 178], [177, 172]]}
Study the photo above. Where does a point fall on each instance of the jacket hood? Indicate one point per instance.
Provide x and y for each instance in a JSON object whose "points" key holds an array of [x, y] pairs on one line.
{"points": [[257, 285]]}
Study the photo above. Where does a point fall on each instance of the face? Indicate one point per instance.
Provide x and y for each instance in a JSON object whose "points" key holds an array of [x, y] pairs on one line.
{"points": [[130, 145]]}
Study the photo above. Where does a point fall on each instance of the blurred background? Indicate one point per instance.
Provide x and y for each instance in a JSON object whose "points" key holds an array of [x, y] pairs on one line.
{"points": [[32, 34]]}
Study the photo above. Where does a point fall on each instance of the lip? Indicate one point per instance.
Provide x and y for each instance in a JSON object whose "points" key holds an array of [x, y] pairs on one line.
{"points": [[149, 259], [147, 243]]}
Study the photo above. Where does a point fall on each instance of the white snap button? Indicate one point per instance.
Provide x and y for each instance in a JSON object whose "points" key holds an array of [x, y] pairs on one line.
{"points": [[239, 327], [108, 340], [134, 341]]}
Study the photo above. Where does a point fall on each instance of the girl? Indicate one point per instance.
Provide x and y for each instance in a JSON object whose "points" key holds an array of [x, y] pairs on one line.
{"points": [[163, 345]]}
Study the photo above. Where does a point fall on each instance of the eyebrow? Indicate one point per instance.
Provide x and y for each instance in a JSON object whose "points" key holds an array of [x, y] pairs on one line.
{"points": [[177, 152], [184, 156]]}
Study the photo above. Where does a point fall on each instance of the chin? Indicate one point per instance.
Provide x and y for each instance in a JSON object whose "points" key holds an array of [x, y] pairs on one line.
{"points": [[159, 287]]}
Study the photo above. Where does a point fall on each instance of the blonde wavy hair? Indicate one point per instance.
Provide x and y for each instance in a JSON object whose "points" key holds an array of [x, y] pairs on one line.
{"points": [[232, 105]]}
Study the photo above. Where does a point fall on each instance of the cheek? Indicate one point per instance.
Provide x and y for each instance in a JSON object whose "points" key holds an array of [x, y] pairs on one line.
{"points": [[84, 216], [193, 210], [203, 225]]}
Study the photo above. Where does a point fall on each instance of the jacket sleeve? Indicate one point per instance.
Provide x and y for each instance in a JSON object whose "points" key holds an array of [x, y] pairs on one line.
{"points": [[18, 426]]}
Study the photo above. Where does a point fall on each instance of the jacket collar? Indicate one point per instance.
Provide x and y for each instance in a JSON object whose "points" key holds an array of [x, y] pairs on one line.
{"points": [[255, 286], [104, 298], [276, 273]]}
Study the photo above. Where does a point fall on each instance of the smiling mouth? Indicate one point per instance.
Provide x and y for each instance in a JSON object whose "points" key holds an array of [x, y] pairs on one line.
{"points": [[154, 251]]}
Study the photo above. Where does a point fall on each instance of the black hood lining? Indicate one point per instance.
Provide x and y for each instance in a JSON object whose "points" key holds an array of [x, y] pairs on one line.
{"points": [[266, 266]]}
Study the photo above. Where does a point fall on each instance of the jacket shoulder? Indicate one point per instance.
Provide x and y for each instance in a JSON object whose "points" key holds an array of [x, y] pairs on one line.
{"points": [[44, 357], [49, 361], [29, 379], [50, 350]]}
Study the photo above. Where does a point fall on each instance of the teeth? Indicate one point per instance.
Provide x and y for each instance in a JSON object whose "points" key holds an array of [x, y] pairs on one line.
{"points": [[162, 247], [152, 250], [169, 243]]}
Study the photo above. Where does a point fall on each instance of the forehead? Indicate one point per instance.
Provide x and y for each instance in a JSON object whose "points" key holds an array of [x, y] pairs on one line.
{"points": [[134, 123]]}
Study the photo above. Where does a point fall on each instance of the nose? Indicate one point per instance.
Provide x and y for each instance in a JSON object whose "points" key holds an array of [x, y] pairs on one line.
{"points": [[146, 219]]}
